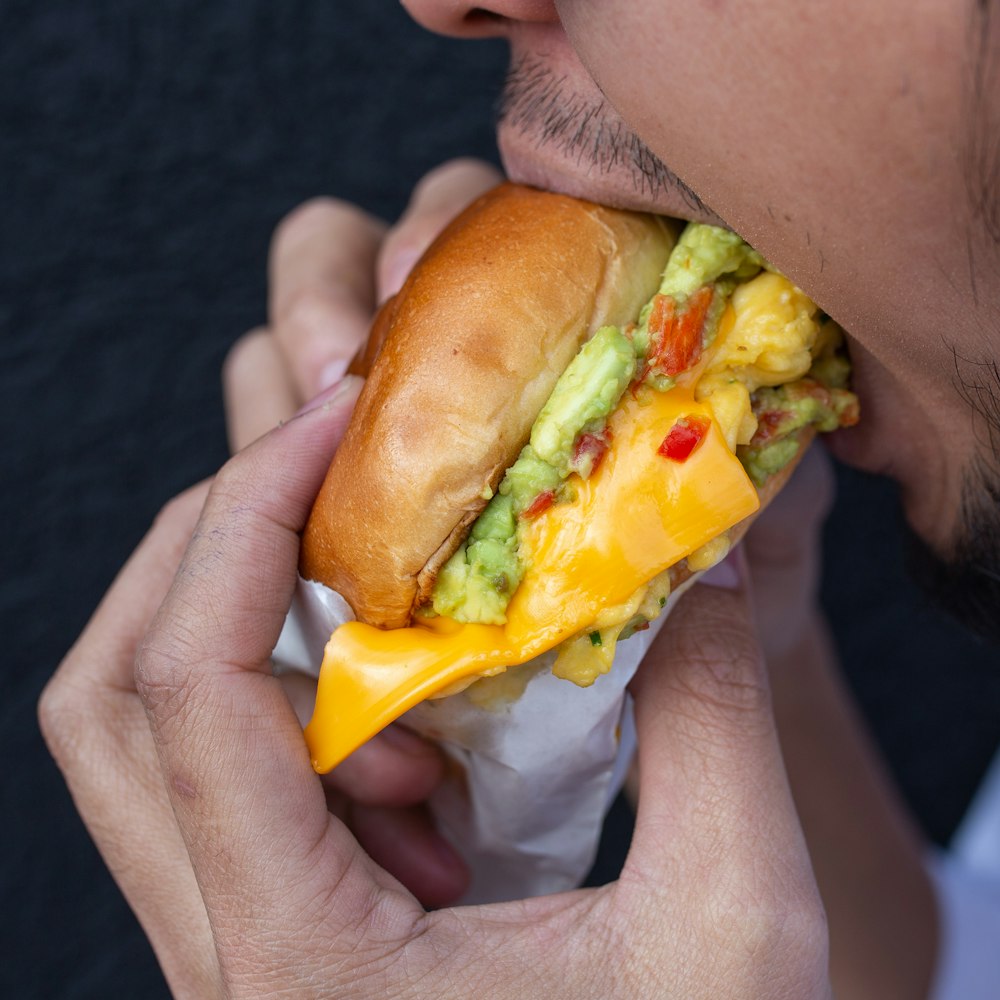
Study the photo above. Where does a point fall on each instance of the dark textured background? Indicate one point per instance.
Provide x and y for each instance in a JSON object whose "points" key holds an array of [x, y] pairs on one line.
{"points": [[146, 153]]}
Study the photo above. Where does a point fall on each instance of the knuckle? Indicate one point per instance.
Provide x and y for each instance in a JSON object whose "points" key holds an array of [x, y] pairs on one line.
{"points": [[757, 934], [308, 310], [464, 170], [722, 668], [162, 674], [63, 717], [792, 935], [319, 321], [243, 356], [316, 215]]}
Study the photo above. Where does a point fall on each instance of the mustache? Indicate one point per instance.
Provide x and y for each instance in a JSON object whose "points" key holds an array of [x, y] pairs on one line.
{"points": [[541, 105], [965, 583]]}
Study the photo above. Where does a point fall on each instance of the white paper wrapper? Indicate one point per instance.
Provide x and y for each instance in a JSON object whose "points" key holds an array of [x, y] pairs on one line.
{"points": [[540, 759]]}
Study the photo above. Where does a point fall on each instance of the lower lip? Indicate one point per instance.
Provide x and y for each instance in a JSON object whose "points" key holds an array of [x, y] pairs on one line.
{"points": [[525, 163]]}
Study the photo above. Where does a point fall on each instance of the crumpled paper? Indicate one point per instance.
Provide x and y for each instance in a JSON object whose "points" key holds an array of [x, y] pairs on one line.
{"points": [[538, 760]]}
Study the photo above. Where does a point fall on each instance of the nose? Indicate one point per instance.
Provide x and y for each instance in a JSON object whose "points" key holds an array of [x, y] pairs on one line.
{"points": [[478, 20]]}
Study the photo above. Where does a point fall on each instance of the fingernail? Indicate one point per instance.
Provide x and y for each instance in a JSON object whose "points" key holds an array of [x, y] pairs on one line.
{"points": [[329, 396], [396, 273], [726, 575], [332, 373]]}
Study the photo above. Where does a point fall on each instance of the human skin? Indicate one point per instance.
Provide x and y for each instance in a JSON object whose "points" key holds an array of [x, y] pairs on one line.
{"points": [[186, 760], [802, 201], [769, 937], [844, 141]]}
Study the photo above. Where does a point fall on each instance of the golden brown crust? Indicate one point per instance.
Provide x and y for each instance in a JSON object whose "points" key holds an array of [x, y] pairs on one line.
{"points": [[477, 337]]}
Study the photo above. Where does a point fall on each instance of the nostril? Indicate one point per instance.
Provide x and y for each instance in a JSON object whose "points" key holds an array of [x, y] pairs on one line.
{"points": [[479, 15]]}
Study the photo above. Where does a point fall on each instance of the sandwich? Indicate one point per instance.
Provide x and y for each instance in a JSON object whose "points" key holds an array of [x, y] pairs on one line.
{"points": [[570, 411]]}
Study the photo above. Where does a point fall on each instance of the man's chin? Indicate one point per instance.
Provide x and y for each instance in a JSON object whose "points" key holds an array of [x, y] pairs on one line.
{"points": [[966, 582]]}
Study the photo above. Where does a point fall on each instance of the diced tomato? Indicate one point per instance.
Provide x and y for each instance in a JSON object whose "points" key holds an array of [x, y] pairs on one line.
{"points": [[769, 425], [661, 322], [540, 504], [683, 438], [641, 371], [677, 340], [589, 451], [847, 407]]}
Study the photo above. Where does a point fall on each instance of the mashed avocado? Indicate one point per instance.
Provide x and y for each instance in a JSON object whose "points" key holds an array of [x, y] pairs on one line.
{"points": [[477, 582], [584, 396], [782, 410], [703, 255]]}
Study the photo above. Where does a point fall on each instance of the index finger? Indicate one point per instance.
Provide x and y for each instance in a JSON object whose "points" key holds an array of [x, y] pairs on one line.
{"points": [[322, 289], [250, 808]]}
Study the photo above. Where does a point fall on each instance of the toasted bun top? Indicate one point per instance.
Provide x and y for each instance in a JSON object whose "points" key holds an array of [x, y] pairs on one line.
{"points": [[473, 344]]}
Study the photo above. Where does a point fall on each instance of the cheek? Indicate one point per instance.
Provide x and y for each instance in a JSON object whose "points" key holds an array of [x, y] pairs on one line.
{"points": [[814, 130]]}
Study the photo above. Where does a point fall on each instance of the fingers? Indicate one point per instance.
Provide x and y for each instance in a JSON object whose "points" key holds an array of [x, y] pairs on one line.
{"points": [[96, 729], [251, 811], [394, 768], [257, 387], [784, 551], [331, 264], [322, 289], [405, 843], [378, 791], [104, 652], [436, 200]]}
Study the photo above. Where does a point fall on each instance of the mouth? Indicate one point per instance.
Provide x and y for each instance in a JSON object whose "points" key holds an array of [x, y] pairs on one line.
{"points": [[557, 131], [566, 137], [614, 185], [556, 156]]}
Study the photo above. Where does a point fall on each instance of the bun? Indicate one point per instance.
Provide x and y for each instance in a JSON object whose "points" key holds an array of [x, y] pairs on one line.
{"points": [[473, 344]]}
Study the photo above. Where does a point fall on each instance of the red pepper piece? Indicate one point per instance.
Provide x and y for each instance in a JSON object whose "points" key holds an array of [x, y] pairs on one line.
{"points": [[677, 339], [540, 504], [683, 438], [682, 349], [589, 452]]}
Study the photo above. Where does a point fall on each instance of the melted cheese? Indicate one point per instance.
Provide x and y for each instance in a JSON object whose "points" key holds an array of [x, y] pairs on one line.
{"points": [[636, 516]]}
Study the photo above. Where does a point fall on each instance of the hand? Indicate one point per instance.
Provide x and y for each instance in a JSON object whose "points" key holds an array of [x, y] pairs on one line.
{"points": [[247, 884], [331, 265], [97, 729], [865, 848]]}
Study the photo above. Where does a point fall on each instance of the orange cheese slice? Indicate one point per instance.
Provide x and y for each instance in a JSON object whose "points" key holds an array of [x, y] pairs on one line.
{"points": [[637, 515]]}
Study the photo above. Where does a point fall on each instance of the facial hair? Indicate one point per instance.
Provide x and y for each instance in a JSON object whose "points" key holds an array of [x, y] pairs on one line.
{"points": [[965, 582], [538, 103]]}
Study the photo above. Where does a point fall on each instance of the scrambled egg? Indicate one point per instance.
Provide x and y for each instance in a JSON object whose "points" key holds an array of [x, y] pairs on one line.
{"points": [[766, 337]]}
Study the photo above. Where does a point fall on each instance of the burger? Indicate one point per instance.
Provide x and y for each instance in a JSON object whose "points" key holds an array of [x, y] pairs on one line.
{"points": [[569, 411]]}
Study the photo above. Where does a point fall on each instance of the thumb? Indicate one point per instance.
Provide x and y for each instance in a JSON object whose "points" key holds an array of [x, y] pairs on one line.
{"points": [[714, 798], [784, 549]]}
